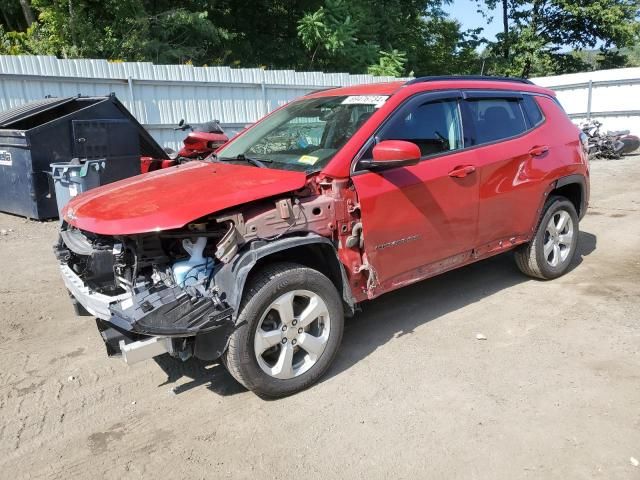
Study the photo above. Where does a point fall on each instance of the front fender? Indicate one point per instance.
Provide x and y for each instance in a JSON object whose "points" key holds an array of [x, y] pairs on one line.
{"points": [[232, 277]]}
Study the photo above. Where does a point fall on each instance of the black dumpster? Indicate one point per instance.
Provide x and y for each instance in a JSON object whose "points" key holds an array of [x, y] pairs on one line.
{"points": [[37, 134]]}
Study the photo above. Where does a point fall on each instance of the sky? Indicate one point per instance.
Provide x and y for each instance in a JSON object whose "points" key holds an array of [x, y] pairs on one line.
{"points": [[465, 11]]}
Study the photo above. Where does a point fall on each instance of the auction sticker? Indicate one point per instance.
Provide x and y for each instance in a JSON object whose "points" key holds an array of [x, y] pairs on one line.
{"points": [[308, 159], [376, 100], [5, 158]]}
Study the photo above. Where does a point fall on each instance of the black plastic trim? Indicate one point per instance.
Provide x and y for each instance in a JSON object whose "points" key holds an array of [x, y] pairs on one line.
{"points": [[584, 190], [499, 94], [231, 278], [485, 78]]}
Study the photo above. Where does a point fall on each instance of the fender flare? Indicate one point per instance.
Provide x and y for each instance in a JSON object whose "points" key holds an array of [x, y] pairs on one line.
{"points": [[232, 277], [584, 190]]}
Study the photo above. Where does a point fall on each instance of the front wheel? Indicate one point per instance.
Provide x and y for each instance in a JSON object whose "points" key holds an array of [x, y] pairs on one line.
{"points": [[290, 328], [553, 247]]}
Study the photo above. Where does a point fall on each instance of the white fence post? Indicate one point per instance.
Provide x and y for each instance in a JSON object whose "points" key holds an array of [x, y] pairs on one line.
{"points": [[132, 98], [589, 99]]}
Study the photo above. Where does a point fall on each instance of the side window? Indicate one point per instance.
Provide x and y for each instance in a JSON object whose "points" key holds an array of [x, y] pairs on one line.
{"points": [[496, 118], [531, 108], [434, 126]]}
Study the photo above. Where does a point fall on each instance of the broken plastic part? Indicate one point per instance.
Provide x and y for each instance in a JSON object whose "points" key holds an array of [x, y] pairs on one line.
{"points": [[171, 311], [228, 246]]}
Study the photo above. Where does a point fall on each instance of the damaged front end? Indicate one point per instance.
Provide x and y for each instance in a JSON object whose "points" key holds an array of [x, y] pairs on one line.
{"points": [[178, 291], [151, 293]]}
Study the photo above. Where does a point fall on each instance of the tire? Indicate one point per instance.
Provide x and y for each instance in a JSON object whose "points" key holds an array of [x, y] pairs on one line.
{"points": [[264, 313], [532, 258], [631, 144]]}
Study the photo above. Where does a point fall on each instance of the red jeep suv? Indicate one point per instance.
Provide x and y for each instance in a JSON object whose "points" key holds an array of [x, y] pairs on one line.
{"points": [[257, 254]]}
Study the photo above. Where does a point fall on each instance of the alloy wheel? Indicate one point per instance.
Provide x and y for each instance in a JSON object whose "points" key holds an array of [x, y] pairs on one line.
{"points": [[558, 238], [292, 334]]}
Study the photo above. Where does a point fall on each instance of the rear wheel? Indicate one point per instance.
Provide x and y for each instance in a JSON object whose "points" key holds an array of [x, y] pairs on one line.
{"points": [[553, 247], [291, 324]]}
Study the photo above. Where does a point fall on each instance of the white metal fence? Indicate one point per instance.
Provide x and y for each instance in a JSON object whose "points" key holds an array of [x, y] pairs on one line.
{"points": [[611, 96], [160, 95]]}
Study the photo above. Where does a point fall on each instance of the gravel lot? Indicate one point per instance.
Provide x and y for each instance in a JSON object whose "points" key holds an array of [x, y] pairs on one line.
{"points": [[553, 392]]}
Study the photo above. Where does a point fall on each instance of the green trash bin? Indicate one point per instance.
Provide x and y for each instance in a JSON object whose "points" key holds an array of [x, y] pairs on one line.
{"points": [[73, 178]]}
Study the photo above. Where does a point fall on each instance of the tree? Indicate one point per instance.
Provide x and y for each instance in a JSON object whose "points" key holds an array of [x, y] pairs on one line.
{"points": [[182, 36], [542, 33], [27, 11], [390, 64], [445, 49], [328, 29], [262, 33], [130, 30], [539, 37], [426, 41]]}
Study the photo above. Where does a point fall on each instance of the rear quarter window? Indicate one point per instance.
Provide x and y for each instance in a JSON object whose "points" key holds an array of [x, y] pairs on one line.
{"points": [[532, 110]]}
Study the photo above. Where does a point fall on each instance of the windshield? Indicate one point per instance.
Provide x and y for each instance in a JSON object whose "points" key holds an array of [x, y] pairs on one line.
{"points": [[304, 135]]}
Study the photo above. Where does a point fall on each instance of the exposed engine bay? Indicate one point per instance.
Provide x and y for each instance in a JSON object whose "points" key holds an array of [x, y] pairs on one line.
{"points": [[165, 283]]}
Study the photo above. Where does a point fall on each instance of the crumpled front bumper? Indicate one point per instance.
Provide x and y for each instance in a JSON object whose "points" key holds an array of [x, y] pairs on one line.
{"points": [[140, 327], [97, 304]]}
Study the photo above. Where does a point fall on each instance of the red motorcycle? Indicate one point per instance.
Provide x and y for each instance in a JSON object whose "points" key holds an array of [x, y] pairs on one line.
{"points": [[202, 140]]}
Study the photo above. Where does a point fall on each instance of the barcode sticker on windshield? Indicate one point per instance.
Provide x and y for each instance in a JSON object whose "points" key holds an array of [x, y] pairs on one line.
{"points": [[375, 100], [308, 159]]}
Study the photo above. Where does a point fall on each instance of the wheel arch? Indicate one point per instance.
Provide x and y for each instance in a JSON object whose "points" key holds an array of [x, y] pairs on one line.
{"points": [[310, 250], [575, 189]]}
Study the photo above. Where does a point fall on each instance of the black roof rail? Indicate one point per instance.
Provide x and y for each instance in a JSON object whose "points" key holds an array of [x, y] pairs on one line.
{"points": [[488, 78]]}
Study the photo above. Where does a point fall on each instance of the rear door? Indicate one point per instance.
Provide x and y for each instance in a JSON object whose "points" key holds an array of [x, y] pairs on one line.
{"points": [[420, 220], [502, 127]]}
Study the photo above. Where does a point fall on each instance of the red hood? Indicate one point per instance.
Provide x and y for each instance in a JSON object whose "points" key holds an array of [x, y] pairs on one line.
{"points": [[171, 198]]}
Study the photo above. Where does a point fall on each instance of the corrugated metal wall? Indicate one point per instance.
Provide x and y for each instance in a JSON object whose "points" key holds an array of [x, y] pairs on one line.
{"points": [[160, 95], [611, 96]]}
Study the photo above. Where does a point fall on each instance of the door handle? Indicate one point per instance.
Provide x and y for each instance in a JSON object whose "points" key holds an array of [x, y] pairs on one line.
{"points": [[538, 151], [461, 172]]}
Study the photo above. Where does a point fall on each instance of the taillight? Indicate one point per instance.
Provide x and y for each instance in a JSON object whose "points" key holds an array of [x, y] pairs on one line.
{"points": [[584, 141]]}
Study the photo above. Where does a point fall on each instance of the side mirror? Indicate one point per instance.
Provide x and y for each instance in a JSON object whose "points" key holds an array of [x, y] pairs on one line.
{"points": [[181, 122], [393, 153]]}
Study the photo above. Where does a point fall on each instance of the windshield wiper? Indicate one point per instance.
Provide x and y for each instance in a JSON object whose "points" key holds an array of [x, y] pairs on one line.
{"points": [[243, 158]]}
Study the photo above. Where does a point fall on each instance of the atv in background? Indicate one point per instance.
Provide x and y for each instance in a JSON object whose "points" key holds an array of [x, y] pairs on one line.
{"points": [[203, 139]]}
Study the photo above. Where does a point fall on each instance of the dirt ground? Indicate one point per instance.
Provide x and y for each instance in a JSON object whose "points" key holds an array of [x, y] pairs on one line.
{"points": [[554, 391]]}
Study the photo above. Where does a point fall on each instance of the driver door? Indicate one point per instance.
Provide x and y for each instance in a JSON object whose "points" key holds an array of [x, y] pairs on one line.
{"points": [[422, 219]]}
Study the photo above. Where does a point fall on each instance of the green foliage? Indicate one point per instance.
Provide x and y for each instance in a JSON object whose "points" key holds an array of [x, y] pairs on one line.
{"points": [[446, 49], [329, 30], [543, 35], [633, 55], [390, 64], [429, 42], [172, 34], [117, 30], [386, 37]]}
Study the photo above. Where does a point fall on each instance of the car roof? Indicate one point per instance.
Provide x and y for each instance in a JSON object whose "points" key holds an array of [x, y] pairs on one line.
{"points": [[382, 88], [435, 83]]}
